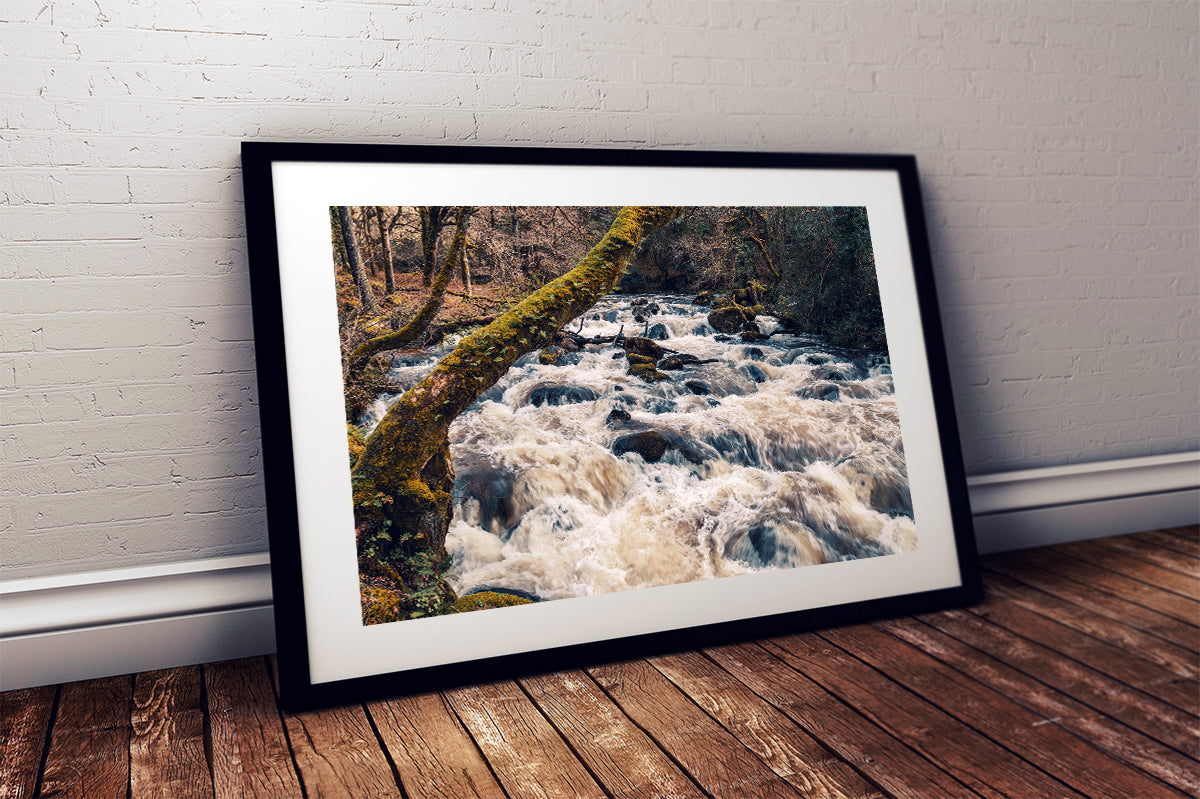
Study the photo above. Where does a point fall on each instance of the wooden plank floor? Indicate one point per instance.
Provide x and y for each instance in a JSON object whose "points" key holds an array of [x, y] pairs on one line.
{"points": [[1076, 677]]}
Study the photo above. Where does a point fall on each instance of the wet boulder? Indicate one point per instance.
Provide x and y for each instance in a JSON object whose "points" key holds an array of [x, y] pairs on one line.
{"points": [[637, 345], [703, 298], [649, 444], [730, 319], [645, 370], [830, 373], [746, 296], [560, 395], [755, 373], [703, 329], [478, 480], [820, 391], [485, 599], [658, 332], [755, 354], [618, 416], [697, 387], [552, 356], [675, 362], [816, 360]]}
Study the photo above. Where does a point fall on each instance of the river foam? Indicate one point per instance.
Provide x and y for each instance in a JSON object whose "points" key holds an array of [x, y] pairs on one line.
{"points": [[781, 454]]}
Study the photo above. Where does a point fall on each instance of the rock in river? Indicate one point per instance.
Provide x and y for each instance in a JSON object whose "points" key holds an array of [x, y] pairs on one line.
{"points": [[649, 444], [560, 395]]}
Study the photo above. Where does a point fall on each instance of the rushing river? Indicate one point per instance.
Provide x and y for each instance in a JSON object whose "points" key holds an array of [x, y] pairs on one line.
{"points": [[781, 454]]}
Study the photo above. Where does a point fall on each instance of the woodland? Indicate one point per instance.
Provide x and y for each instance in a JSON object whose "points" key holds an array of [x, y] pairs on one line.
{"points": [[506, 281]]}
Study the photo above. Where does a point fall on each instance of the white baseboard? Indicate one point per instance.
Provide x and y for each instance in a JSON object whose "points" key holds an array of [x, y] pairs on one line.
{"points": [[81, 626], [1040, 507]]}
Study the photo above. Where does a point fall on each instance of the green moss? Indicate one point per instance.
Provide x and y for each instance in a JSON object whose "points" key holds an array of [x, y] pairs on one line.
{"points": [[382, 605], [403, 479], [485, 600], [639, 360], [551, 356], [356, 443], [643, 346], [647, 372]]}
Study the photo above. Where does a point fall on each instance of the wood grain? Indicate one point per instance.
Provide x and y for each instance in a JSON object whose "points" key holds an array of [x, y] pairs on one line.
{"points": [[970, 756], [1137, 672], [866, 747], [622, 758], [1165, 558], [89, 743], [526, 753], [24, 722], [1156, 719], [1053, 706], [1121, 585], [1134, 643], [337, 754], [1104, 603], [1186, 585], [791, 753], [1052, 749], [717, 761], [250, 754], [1185, 540], [431, 750], [166, 752], [1077, 675]]}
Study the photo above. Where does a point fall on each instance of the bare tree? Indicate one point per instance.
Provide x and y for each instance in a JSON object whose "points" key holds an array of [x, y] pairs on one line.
{"points": [[366, 300], [403, 478], [428, 311]]}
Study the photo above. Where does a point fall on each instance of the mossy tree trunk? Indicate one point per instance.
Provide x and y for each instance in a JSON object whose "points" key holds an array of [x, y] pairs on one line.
{"points": [[433, 219], [423, 317], [403, 478], [366, 300]]}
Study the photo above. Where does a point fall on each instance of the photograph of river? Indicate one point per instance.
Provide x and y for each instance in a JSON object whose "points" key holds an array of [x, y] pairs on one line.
{"points": [[627, 401]]}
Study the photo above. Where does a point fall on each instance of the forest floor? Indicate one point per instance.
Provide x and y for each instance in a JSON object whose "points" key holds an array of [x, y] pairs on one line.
{"points": [[410, 295]]}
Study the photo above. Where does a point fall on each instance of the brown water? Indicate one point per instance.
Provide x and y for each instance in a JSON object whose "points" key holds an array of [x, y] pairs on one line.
{"points": [[792, 458]]}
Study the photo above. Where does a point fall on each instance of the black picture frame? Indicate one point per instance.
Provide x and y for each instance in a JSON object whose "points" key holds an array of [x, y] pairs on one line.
{"points": [[280, 177]]}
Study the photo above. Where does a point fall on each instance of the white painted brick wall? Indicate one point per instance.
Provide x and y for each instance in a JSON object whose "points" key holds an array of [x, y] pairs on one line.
{"points": [[1057, 141]]}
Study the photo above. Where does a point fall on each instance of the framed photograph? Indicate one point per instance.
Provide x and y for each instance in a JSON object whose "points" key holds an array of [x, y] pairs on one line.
{"points": [[512, 423]]}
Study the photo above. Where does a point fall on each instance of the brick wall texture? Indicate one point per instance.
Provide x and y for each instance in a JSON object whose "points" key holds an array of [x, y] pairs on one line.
{"points": [[1057, 143]]}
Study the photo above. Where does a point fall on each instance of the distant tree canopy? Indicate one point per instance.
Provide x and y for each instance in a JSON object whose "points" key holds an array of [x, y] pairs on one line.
{"points": [[815, 264], [812, 266]]}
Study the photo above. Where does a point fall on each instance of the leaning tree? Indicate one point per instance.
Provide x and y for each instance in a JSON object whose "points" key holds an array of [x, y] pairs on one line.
{"points": [[403, 478]]}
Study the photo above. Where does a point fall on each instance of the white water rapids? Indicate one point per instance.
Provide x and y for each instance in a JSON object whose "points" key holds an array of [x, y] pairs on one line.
{"points": [[789, 455]]}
